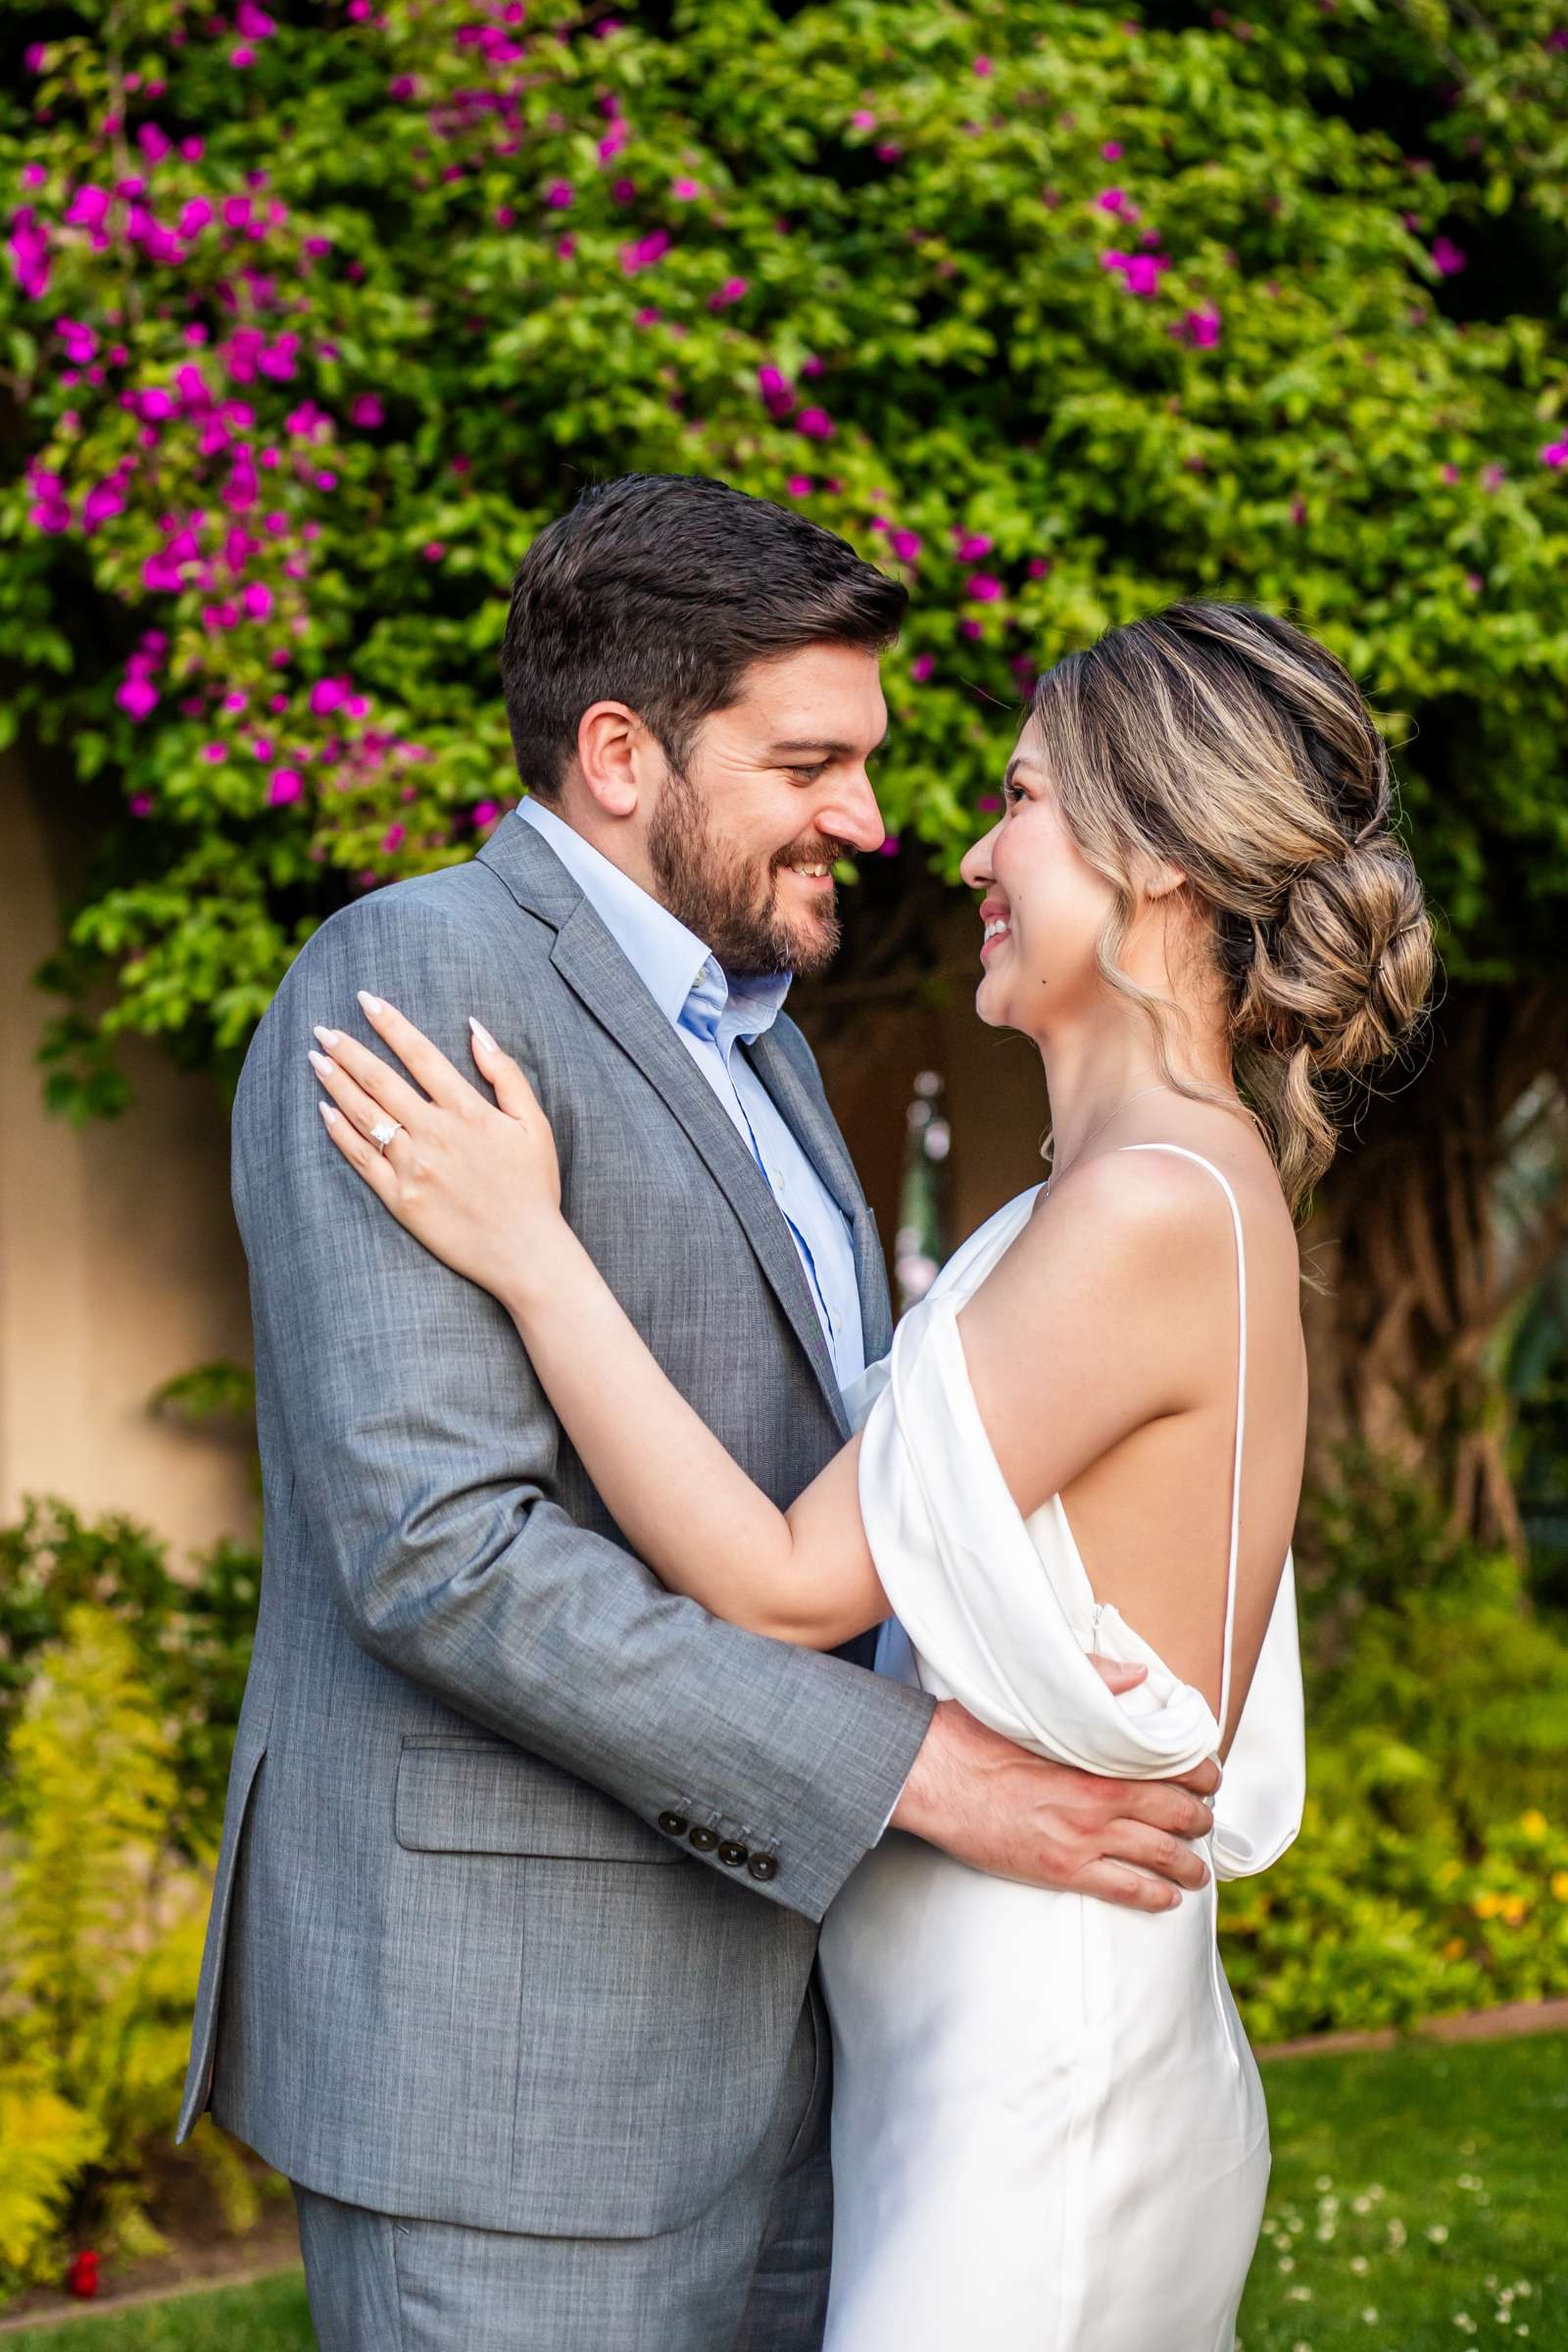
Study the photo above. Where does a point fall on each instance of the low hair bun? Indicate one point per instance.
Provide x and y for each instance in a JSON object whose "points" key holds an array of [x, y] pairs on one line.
{"points": [[1348, 965]]}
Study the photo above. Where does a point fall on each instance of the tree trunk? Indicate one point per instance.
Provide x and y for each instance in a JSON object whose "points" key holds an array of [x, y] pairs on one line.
{"points": [[1419, 1261]]}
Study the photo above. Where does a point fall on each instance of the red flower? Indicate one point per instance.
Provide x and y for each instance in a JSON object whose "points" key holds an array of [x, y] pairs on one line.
{"points": [[82, 2276]]}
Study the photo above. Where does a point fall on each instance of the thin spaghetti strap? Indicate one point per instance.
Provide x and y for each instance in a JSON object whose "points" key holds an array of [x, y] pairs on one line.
{"points": [[1241, 1411]]}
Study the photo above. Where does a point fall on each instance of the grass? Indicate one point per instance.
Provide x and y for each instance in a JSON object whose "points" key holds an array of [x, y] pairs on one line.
{"points": [[269, 2316], [1416, 2203]]}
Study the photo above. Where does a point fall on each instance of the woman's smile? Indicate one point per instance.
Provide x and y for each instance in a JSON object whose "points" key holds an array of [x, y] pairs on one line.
{"points": [[997, 921]]}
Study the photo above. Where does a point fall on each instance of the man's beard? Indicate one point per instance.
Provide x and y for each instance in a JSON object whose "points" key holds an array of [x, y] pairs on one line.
{"points": [[713, 891]]}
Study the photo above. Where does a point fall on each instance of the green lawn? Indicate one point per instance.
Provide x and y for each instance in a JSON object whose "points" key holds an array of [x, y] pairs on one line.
{"points": [[1418, 2201], [271, 2315]]}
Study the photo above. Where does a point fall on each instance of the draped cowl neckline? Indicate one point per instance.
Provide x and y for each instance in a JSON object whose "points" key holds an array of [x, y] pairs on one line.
{"points": [[997, 1610]]}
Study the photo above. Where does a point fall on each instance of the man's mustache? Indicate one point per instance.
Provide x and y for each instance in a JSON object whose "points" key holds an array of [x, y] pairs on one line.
{"points": [[822, 852]]}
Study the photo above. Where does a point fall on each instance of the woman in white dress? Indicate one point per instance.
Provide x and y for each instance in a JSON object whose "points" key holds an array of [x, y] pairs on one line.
{"points": [[1048, 2133]]}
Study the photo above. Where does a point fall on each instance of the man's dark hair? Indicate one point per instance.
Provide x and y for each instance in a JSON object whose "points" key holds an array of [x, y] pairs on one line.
{"points": [[659, 591]]}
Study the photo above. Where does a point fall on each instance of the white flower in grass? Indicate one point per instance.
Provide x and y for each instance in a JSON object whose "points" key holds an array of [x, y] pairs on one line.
{"points": [[1439, 2234]]}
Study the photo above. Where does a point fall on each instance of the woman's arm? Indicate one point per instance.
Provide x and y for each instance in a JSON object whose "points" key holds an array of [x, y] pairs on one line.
{"points": [[681, 1499], [804, 1575]]}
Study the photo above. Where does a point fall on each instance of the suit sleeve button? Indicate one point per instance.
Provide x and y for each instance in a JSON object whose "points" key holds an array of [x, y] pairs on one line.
{"points": [[703, 1838], [673, 1825], [733, 1855], [763, 1866]]}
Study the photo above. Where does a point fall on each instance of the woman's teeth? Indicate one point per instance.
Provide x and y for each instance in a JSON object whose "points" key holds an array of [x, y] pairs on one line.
{"points": [[997, 927]]}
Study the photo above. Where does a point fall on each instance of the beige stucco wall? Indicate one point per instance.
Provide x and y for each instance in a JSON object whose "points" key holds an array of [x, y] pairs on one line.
{"points": [[120, 1265]]}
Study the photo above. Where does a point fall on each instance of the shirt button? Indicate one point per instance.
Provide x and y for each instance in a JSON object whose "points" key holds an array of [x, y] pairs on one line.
{"points": [[673, 1825], [703, 1837], [764, 1867], [733, 1855]]}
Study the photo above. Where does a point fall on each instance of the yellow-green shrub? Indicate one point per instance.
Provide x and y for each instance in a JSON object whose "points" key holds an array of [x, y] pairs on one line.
{"points": [[100, 1944]]}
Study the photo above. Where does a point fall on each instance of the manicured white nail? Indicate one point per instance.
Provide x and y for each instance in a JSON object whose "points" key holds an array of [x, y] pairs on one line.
{"points": [[372, 1004], [329, 1112], [329, 1037], [483, 1035], [320, 1064]]}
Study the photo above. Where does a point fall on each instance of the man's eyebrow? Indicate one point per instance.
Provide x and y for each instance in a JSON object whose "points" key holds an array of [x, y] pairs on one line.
{"points": [[825, 743]]}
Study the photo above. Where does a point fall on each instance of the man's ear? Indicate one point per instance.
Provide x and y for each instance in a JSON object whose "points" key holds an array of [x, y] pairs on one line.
{"points": [[610, 738]]}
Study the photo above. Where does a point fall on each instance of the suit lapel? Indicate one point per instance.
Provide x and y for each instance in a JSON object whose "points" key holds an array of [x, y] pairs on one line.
{"points": [[602, 980]]}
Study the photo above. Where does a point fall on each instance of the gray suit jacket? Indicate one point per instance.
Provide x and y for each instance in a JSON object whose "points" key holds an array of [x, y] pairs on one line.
{"points": [[523, 1856]]}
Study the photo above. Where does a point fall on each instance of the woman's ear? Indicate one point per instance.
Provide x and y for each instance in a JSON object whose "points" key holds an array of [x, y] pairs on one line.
{"points": [[1162, 879]]}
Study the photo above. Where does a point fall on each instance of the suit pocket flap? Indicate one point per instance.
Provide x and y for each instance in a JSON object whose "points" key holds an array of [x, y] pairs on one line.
{"points": [[485, 1796]]}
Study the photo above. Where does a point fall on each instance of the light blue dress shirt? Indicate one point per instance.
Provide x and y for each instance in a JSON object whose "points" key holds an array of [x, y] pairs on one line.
{"points": [[712, 1013]]}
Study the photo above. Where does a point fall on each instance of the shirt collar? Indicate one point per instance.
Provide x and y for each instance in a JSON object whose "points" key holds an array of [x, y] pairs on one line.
{"points": [[678, 970]]}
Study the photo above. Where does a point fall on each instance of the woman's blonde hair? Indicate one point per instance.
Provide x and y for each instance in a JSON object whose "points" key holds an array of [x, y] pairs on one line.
{"points": [[1230, 744]]}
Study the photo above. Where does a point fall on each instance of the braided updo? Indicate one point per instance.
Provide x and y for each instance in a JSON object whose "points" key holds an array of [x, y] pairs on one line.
{"points": [[1230, 744]]}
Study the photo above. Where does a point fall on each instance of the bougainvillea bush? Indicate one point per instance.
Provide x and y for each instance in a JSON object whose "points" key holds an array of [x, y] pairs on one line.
{"points": [[316, 312]]}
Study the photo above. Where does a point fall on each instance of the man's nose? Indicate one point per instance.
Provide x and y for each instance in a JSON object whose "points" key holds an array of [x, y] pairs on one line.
{"points": [[853, 816]]}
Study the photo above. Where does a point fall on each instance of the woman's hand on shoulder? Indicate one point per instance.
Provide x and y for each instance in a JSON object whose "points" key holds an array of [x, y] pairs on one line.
{"points": [[471, 1174], [1096, 1319]]}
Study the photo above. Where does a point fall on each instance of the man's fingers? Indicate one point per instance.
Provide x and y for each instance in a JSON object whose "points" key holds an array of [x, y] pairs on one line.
{"points": [[1205, 1777], [1172, 1857], [1165, 1805], [1116, 1883]]}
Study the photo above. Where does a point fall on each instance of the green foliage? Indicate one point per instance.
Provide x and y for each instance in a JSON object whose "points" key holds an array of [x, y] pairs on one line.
{"points": [[1431, 1870], [100, 1945], [1060, 313], [191, 1639]]}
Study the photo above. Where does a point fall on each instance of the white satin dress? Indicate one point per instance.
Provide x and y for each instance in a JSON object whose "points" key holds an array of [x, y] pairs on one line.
{"points": [[1048, 2131]]}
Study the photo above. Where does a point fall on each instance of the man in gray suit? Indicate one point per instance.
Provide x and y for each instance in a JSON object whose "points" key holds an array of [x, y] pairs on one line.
{"points": [[510, 1966]]}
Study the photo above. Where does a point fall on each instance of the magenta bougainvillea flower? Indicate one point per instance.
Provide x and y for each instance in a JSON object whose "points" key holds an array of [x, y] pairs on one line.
{"points": [[644, 252]]}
